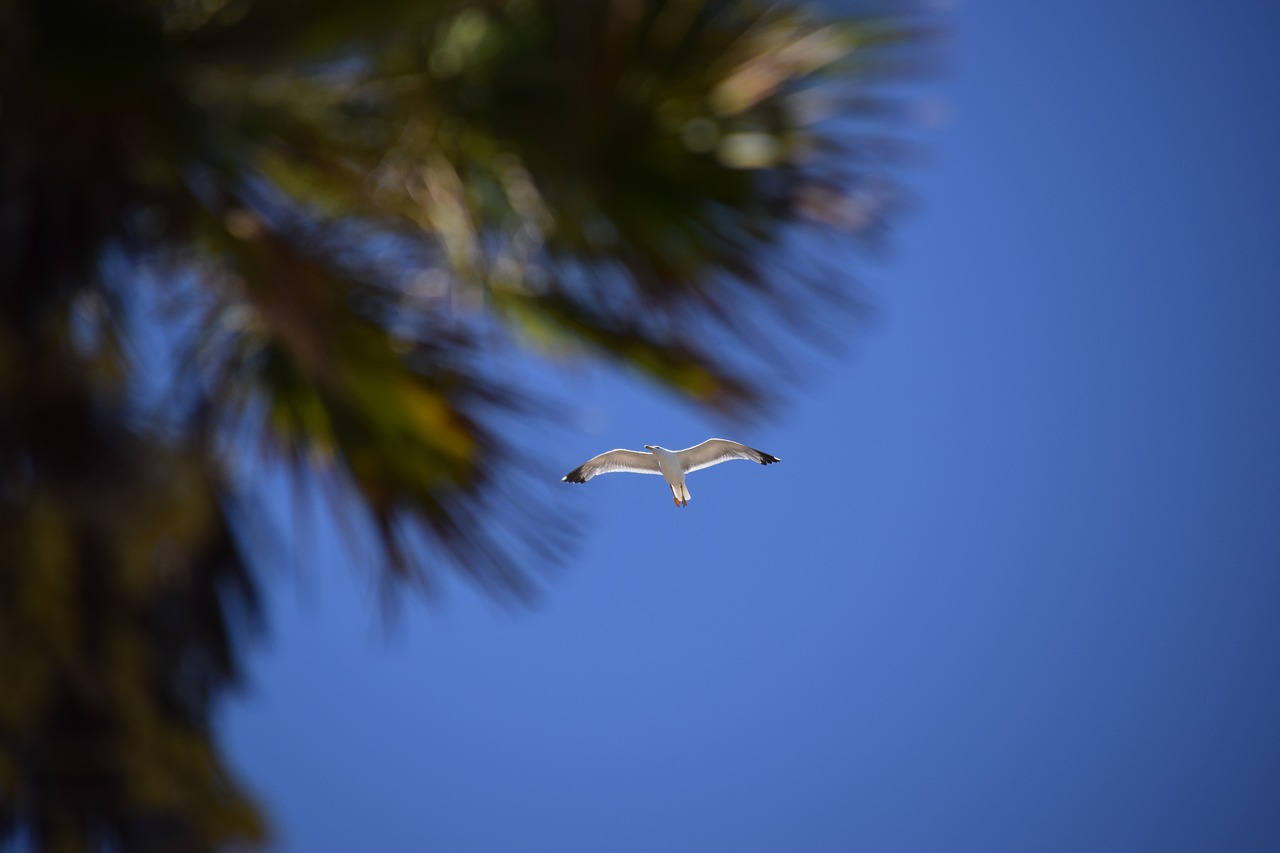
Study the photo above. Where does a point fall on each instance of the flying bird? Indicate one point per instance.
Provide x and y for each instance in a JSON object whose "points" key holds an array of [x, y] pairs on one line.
{"points": [[673, 465]]}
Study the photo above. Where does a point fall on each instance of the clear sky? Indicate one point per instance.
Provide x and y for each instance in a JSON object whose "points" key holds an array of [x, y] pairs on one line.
{"points": [[1015, 585]]}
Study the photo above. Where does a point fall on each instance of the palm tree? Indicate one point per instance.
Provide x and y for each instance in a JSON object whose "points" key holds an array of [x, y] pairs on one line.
{"points": [[305, 226]]}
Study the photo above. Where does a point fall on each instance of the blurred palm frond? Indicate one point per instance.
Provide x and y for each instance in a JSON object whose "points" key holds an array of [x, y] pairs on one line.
{"points": [[314, 222]]}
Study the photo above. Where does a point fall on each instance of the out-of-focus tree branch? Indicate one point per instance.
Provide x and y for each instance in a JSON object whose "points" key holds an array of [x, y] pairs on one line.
{"points": [[344, 207]]}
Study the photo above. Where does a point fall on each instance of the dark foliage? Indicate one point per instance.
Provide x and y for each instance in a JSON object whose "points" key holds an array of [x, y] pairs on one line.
{"points": [[325, 214]]}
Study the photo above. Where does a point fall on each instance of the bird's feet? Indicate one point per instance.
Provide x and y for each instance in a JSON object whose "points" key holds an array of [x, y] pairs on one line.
{"points": [[677, 500]]}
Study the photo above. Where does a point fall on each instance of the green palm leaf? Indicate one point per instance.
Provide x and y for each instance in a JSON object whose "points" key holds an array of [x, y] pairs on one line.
{"points": [[342, 210]]}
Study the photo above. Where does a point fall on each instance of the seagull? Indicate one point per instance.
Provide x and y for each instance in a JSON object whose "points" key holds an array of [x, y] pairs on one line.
{"points": [[673, 465]]}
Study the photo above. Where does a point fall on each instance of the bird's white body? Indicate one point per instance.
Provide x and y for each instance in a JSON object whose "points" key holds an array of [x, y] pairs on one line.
{"points": [[672, 471], [673, 465]]}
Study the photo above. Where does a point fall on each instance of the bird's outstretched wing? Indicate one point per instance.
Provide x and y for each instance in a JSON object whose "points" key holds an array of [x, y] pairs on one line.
{"points": [[713, 451], [635, 461]]}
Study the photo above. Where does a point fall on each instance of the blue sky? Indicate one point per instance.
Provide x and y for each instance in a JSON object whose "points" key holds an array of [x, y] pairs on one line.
{"points": [[1031, 604]]}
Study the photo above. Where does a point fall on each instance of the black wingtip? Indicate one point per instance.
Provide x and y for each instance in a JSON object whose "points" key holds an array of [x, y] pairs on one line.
{"points": [[574, 476], [766, 459]]}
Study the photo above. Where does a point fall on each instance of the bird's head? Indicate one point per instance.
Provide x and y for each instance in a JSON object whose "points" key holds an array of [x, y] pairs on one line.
{"points": [[651, 447]]}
